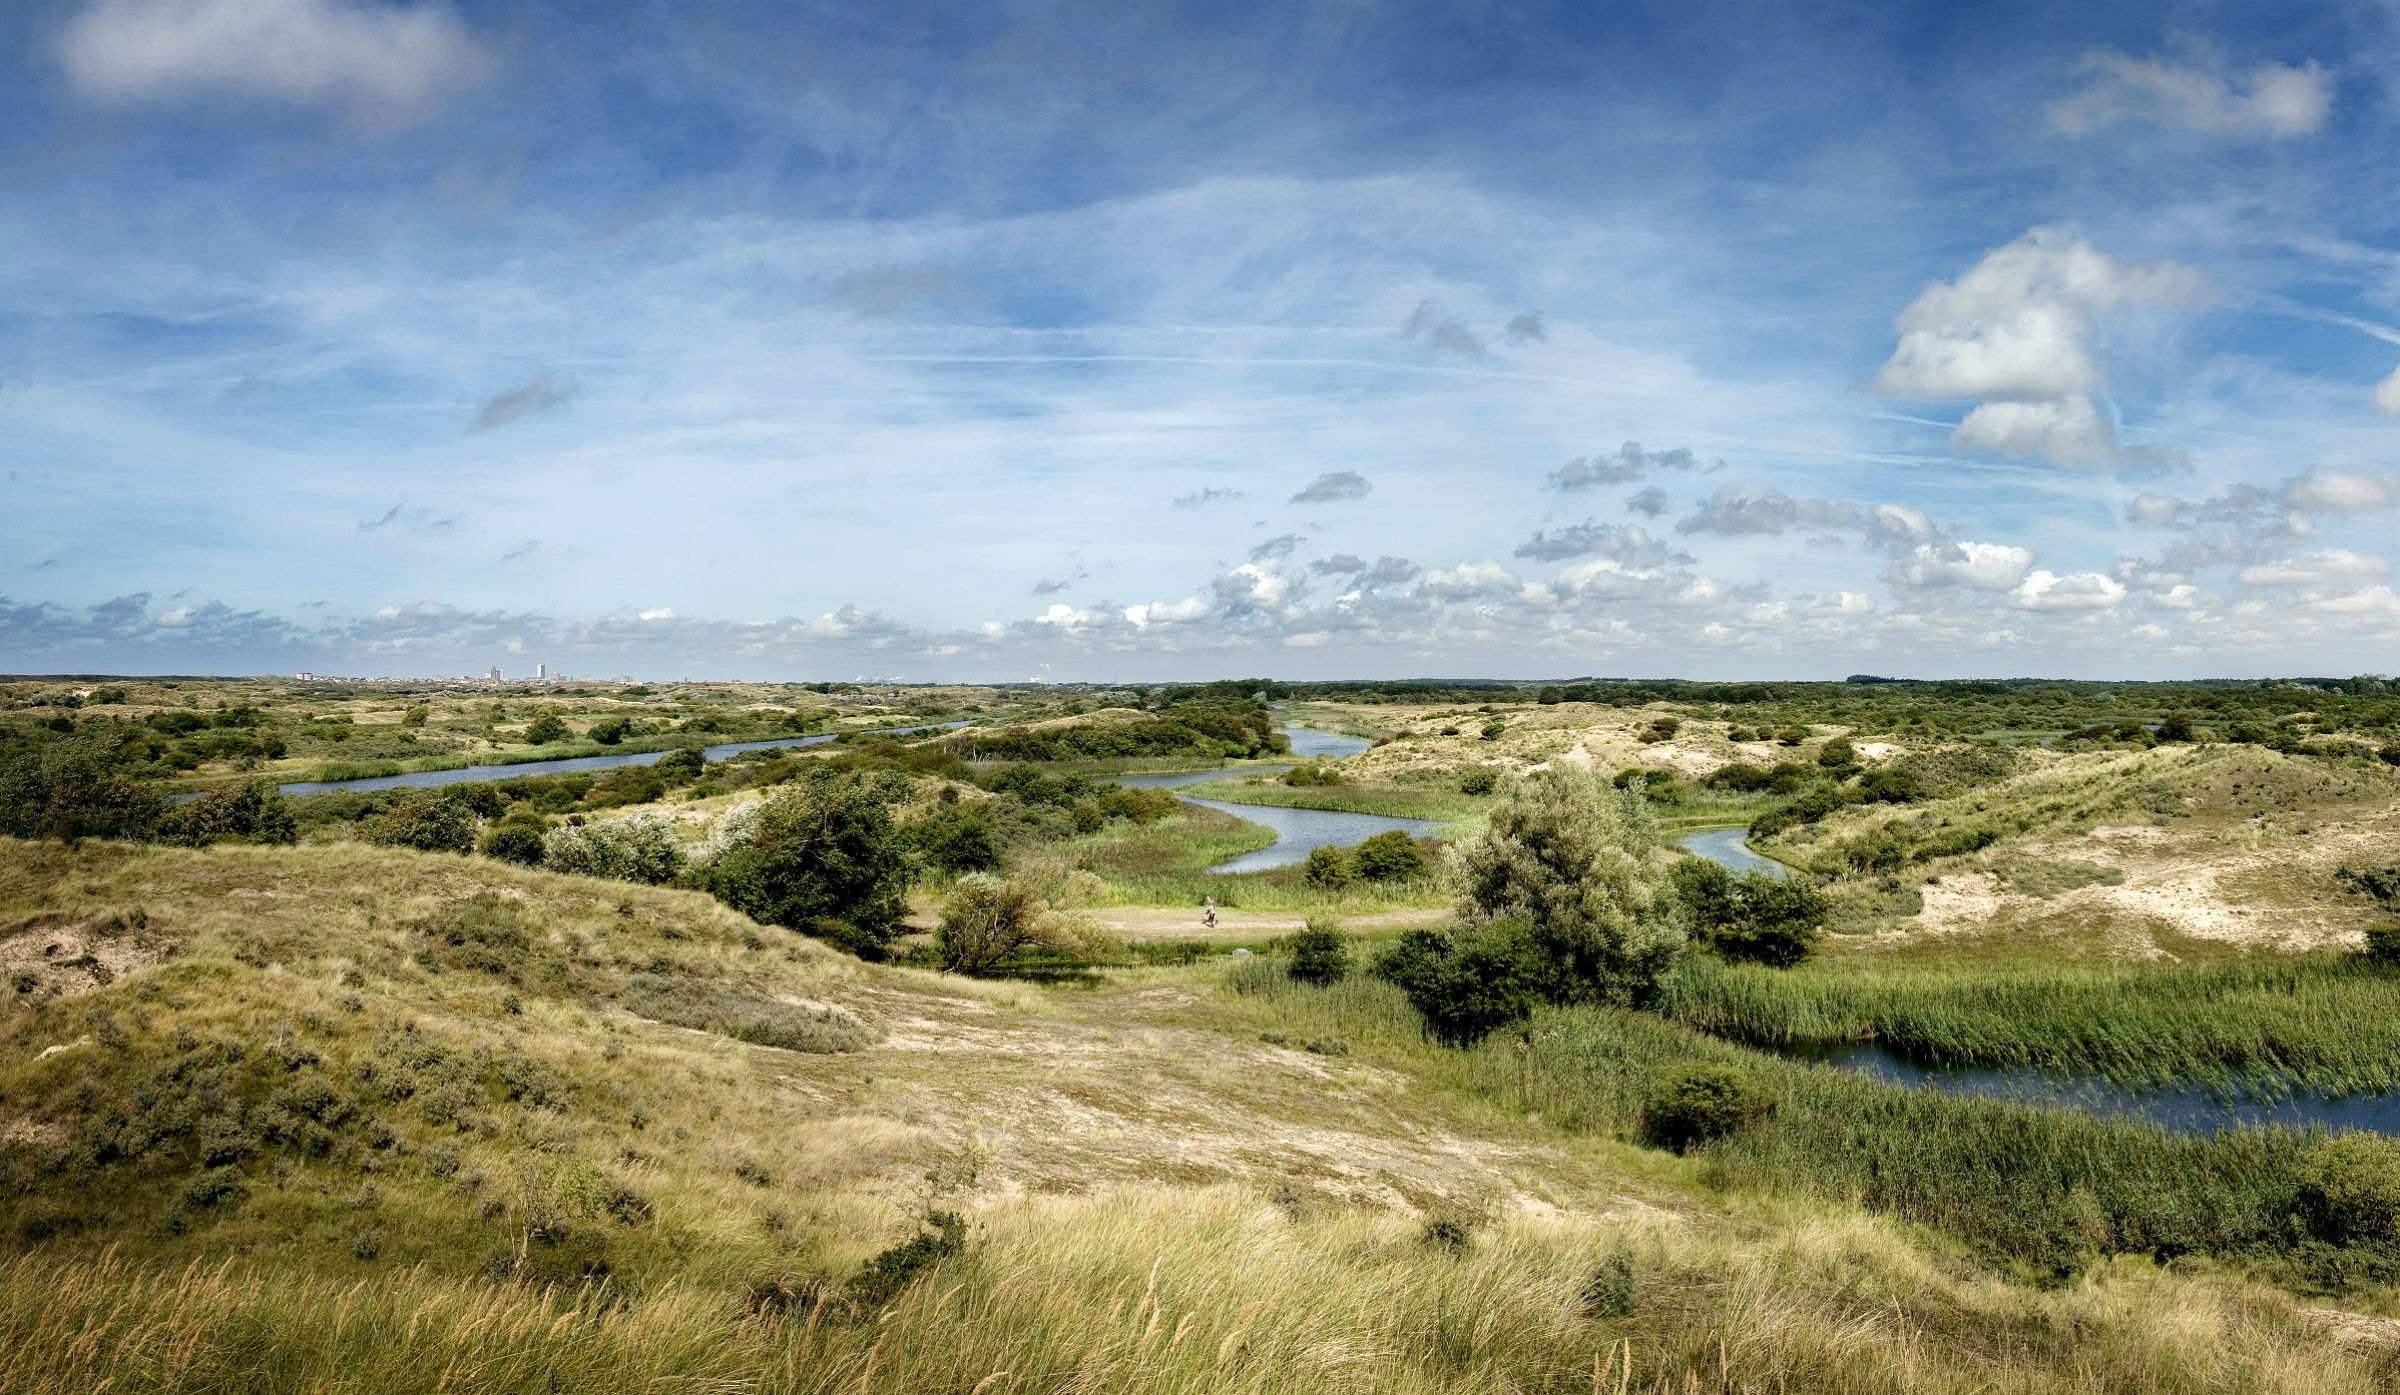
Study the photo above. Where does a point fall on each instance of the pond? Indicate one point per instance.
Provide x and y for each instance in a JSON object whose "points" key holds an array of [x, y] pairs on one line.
{"points": [[2184, 1109], [1297, 831], [1730, 848], [471, 774]]}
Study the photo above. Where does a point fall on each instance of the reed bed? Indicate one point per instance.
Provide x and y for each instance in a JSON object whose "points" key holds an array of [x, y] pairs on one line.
{"points": [[2327, 1025]]}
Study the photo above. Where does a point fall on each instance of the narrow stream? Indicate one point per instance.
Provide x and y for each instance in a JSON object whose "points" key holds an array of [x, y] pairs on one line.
{"points": [[1730, 847], [2184, 1108]]}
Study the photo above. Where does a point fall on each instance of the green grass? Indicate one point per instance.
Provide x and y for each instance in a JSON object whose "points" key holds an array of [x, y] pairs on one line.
{"points": [[2325, 1024], [1395, 800], [2050, 1189], [1166, 864]]}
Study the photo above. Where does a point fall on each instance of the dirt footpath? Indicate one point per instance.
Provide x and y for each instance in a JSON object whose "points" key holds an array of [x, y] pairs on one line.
{"points": [[1178, 923]]}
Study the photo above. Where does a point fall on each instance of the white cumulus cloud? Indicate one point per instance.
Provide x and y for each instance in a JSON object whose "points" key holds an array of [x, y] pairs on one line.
{"points": [[2046, 590], [2020, 328], [1979, 566]]}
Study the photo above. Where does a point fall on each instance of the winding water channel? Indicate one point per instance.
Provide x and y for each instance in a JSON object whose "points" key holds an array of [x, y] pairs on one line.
{"points": [[2189, 1109], [1297, 831]]}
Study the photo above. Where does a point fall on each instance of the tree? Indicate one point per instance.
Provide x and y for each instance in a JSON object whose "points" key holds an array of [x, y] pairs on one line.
{"points": [[543, 730], [1391, 856], [1467, 983], [1320, 953], [609, 731], [811, 852], [1327, 867], [426, 822], [2177, 727], [1576, 864], [676, 767]]}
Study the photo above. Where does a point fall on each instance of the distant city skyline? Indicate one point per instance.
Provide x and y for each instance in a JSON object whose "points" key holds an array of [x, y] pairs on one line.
{"points": [[1039, 342]]}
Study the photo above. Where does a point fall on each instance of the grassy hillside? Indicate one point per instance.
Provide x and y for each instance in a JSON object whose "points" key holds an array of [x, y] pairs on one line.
{"points": [[295, 1117]]}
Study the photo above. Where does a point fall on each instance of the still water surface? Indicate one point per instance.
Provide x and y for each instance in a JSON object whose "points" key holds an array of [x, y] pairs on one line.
{"points": [[1297, 831]]}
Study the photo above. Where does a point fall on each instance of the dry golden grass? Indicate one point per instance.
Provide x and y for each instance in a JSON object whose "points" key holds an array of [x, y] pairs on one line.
{"points": [[1157, 1198]]}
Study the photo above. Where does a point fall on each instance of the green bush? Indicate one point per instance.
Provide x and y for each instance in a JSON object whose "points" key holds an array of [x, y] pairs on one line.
{"points": [[76, 788], [745, 1016], [545, 729], [610, 731], [426, 822], [1327, 867], [1838, 751], [815, 852], [957, 838], [251, 813], [678, 767], [896, 1268], [1759, 918], [638, 848], [520, 843], [1468, 983], [1391, 856], [2351, 1185], [1320, 953], [1312, 774], [1479, 780], [1696, 1101]]}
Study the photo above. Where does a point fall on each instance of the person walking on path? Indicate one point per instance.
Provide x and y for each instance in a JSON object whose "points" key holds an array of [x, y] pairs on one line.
{"points": [[1208, 914]]}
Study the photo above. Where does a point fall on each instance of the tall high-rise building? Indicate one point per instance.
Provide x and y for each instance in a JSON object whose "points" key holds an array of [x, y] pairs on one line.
{"points": [[541, 673], [493, 676]]}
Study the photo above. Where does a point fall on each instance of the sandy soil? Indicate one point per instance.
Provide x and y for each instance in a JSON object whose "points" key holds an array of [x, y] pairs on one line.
{"points": [[51, 957]]}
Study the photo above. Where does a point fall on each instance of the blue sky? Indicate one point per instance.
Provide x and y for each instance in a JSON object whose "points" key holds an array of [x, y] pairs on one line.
{"points": [[1153, 340]]}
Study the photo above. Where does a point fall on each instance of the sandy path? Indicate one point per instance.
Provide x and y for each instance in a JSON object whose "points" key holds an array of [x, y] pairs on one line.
{"points": [[1180, 923]]}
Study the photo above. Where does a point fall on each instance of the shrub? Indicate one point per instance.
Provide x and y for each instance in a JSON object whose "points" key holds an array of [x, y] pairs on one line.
{"points": [[745, 1016], [959, 839], [1494, 729], [416, 716], [1392, 856], [1613, 1290], [1838, 751], [988, 920], [252, 813], [815, 852], [1479, 780], [1576, 864], [2351, 1184], [543, 730], [71, 789], [1327, 867], [1320, 954], [520, 843], [894, 1269], [676, 767], [426, 822], [1697, 1101], [1760, 917], [1469, 983], [1313, 774], [1792, 736], [610, 731], [637, 849]]}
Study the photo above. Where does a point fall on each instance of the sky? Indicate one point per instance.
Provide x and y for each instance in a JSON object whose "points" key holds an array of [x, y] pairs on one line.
{"points": [[1142, 341]]}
